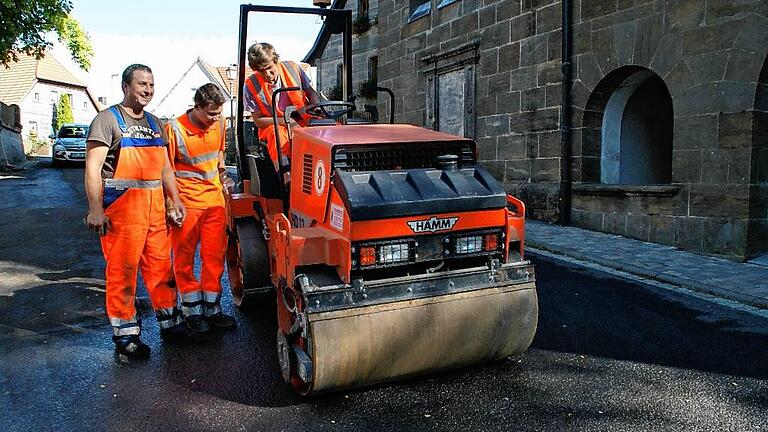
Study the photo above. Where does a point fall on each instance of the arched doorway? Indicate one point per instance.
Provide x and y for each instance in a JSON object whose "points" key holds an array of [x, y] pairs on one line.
{"points": [[628, 129]]}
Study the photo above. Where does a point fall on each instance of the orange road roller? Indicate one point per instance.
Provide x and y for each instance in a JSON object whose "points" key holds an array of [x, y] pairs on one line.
{"points": [[388, 249]]}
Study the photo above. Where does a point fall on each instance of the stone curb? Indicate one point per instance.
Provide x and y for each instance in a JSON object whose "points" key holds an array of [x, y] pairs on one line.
{"points": [[649, 274]]}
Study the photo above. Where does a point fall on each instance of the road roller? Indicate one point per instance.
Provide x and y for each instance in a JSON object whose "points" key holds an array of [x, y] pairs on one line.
{"points": [[389, 250]]}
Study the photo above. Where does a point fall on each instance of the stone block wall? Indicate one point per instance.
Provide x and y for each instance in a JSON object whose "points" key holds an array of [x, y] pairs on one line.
{"points": [[517, 83], [364, 46], [11, 146], [709, 55]]}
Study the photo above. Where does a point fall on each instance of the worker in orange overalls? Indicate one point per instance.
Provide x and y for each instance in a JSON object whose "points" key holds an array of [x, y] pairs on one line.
{"points": [[196, 152], [272, 74], [127, 178]]}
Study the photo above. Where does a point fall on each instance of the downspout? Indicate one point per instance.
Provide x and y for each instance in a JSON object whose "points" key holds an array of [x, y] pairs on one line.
{"points": [[565, 119]]}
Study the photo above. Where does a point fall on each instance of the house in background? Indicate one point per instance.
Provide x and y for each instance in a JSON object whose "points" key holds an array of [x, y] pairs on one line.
{"points": [[35, 86], [180, 97]]}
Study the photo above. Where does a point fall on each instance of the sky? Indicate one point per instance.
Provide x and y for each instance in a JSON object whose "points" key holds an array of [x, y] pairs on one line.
{"points": [[169, 35]]}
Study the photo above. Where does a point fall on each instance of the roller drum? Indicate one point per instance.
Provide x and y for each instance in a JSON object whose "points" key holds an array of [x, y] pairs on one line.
{"points": [[369, 344]]}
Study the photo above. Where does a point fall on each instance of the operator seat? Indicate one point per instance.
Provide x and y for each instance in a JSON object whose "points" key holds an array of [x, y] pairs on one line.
{"points": [[264, 180]]}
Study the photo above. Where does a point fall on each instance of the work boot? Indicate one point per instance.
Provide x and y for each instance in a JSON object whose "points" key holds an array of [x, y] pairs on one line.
{"points": [[220, 320], [197, 324], [181, 333], [131, 346]]}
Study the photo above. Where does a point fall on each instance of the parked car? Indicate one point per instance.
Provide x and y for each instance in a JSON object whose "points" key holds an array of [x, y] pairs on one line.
{"points": [[69, 144]]}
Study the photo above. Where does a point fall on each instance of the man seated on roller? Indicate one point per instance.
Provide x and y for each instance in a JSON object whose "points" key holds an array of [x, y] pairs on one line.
{"points": [[272, 74]]}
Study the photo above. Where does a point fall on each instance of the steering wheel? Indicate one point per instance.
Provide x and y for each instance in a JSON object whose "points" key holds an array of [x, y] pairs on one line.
{"points": [[324, 109]]}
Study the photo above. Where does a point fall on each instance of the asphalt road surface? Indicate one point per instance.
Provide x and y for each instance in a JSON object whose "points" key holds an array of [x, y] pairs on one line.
{"points": [[609, 354]]}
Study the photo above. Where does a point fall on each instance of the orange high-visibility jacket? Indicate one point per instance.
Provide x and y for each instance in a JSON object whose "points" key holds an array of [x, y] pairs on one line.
{"points": [[258, 90], [194, 155]]}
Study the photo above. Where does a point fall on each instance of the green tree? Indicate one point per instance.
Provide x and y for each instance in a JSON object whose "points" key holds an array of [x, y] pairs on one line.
{"points": [[63, 111], [24, 24]]}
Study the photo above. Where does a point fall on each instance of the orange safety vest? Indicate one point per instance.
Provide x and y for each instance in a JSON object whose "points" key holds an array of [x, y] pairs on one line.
{"points": [[195, 158], [290, 76]]}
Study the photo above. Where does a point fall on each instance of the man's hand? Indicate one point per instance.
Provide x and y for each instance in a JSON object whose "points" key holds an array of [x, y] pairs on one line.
{"points": [[175, 212], [227, 183], [180, 210], [97, 221]]}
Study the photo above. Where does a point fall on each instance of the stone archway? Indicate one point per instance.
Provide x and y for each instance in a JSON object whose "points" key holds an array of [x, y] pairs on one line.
{"points": [[627, 134]]}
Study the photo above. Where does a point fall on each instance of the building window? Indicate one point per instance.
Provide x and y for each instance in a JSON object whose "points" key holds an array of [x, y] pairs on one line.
{"points": [[443, 3], [37, 97], [85, 106], [362, 8], [33, 128], [54, 96], [102, 100], [419, 8], [373, 66]]}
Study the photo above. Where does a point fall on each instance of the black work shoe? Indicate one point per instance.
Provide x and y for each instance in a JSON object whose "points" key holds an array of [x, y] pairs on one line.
{"points": [[131, 346], [197, 324], [220, 320], [181, 333]]}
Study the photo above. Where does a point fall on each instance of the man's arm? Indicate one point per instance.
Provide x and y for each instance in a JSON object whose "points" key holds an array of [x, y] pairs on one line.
{"points": [[306, 86], [96, 154], [171, 192]]}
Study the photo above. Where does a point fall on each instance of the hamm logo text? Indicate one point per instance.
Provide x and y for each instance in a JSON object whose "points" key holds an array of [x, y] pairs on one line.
{"points": [[433, 225]]}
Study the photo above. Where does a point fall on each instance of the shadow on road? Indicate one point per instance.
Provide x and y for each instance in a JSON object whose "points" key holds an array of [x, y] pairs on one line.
{"points": [[591, 313]]}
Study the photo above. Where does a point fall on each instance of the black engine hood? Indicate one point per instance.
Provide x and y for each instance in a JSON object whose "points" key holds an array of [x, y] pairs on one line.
{"points": [[384, 194]]}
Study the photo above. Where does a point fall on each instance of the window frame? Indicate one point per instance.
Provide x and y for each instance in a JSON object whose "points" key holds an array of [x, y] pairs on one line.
{"points": [[419, 9], [444, 3]]}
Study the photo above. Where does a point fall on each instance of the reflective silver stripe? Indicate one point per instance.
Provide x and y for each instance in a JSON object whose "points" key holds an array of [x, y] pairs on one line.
{"points": [[184, 153], [193, 310], [119, 322], [120, 184], [202, 176], [293, 70], [192, 303], [165, 311], [211, 296], [205, 157], [212, 306], [212, 310], [168, 317], [126, 331], [194, 296], [259, 93], [125, 327]]}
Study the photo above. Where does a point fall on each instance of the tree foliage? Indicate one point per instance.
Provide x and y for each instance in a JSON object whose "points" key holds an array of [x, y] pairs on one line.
{"points": [[63, 111], [24, 24]]}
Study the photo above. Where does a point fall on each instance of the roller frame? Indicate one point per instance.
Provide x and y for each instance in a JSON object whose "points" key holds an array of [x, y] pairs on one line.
{"points": [[364, 293]]}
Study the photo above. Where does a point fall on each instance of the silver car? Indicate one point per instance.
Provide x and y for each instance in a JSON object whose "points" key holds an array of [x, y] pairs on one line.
{"points": [[70, 144]]}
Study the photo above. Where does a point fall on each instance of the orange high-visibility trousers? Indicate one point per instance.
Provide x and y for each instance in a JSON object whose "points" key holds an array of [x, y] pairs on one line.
{"points": [[137, 238], [268, 135], [208, 227]]}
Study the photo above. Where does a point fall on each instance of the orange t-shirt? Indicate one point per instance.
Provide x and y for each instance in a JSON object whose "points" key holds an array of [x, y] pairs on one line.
{"points": [[195, 160]]}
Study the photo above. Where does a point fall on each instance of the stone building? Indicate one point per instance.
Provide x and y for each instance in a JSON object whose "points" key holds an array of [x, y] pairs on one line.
{"points": [[664, 135]]}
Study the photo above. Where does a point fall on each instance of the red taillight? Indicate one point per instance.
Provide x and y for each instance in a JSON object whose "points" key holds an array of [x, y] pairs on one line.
{"points": [[367, 255], [490, 242]]}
